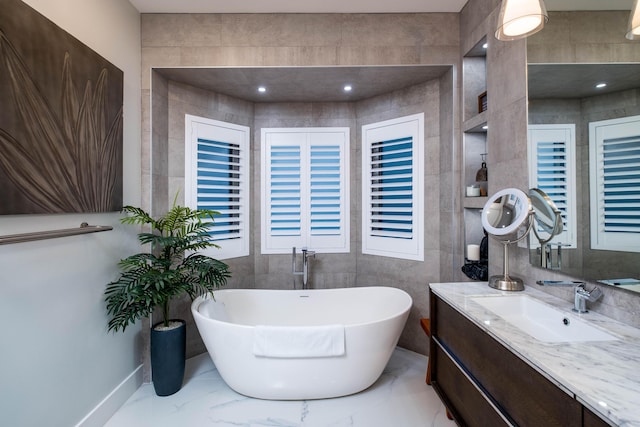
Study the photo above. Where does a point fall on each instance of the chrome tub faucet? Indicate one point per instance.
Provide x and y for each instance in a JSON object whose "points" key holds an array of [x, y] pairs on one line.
{"points": [[305, 265]]}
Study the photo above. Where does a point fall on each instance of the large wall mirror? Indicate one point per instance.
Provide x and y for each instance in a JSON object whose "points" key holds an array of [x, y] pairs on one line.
{"points": [[584, 138]]}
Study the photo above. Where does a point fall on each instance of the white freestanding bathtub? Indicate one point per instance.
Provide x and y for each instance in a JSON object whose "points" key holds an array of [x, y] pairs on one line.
{"points": [[370, 318]]}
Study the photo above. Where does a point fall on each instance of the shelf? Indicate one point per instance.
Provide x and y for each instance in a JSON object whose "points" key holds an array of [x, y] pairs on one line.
{"points": [[474, 202], [475, 123]]}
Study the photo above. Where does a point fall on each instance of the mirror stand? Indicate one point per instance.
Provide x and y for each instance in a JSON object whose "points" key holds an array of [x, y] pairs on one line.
{"points": [[504, 214], [505, 282]]}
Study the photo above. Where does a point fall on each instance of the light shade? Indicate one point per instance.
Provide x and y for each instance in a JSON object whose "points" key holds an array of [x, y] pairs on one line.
{"points": [[633, 31], [520, 18]]}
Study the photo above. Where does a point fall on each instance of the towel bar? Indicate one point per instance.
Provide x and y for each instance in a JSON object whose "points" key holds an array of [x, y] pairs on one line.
{"points": [[52, 234]]}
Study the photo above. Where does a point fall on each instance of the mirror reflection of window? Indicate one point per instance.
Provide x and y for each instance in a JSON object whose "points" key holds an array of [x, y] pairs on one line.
{"points": [[561, 89], [552, 169], [614, 147]]}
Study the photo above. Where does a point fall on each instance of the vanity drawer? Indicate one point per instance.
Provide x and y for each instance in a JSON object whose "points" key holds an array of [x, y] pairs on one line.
{"points": [[589, 419], [465, 400], [518, 390]]}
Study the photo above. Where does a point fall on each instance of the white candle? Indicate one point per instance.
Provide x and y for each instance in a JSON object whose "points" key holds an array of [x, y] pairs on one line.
{"points": [[473, 252], [473, 191]]}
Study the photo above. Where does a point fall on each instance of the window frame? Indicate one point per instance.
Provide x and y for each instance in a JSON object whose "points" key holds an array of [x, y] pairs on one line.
{"points": [[384, 241], [305, 138], [227, 133]]}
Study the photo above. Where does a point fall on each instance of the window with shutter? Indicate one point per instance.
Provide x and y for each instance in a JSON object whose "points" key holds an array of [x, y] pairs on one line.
{"points": [[552, 169], [217, 178], [392, 188], [614, 147], [305, 189]]}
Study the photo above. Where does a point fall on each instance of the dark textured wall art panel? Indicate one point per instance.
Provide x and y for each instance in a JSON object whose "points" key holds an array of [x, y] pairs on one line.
{"points": [[60, 119]]}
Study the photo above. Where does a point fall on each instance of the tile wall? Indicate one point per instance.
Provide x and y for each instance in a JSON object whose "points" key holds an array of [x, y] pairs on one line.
{"points": [[372, 39], [312, 40]]}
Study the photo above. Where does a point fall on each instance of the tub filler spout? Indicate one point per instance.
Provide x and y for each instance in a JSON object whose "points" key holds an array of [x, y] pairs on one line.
{"points": [[305, 265]]}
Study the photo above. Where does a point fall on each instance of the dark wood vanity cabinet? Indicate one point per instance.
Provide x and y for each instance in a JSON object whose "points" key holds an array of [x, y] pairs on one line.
{"points": [[589, 419], [484, 384]]}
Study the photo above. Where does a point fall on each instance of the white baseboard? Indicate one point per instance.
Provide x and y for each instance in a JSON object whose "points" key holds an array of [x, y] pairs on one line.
{"points": [[114, 400]]}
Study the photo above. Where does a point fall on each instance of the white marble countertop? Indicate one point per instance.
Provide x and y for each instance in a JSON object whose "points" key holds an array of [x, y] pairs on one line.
{"points": [[602, 375]]}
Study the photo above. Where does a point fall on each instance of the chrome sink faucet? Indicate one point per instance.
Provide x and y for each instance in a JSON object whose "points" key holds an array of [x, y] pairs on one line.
{"points": [[580, 293], [581, 296], [305, 265]]}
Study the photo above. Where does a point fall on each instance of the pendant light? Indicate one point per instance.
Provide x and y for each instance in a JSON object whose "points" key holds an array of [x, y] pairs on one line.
{"points": [[633, 31], [520, 18]]}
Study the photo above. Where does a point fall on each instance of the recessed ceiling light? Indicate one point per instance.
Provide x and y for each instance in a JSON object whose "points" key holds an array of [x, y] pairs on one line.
{"points": [[347, 88], [486, 45], [262, 89], [485, 127], [601, 85]]}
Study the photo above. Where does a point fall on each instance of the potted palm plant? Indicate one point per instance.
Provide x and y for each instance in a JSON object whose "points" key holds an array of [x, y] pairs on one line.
{"points": [[149, 280]]}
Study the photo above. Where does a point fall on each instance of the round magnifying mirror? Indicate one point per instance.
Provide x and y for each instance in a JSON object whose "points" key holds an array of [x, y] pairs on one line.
{"points": [[502, 216], [549, 224], [547, 215], [505, 212]]}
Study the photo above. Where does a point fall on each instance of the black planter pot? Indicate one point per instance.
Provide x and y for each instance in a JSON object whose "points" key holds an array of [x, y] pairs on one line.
{"points": [[168, 349]]}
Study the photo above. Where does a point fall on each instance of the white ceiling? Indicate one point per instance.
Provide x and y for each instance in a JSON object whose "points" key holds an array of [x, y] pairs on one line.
{"points": [[297, 6], [346, 6]]}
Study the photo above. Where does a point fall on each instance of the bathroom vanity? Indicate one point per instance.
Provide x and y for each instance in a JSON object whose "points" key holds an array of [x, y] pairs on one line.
{"points": [[489, 372]]}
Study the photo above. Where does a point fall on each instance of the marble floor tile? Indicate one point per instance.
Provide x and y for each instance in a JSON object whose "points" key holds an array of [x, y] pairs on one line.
{"points": [[400, 398]]}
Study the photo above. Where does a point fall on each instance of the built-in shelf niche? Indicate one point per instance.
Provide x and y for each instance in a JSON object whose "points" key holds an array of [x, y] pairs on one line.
{"points": [[475, 124], [474, 74], [473, 231], [475, 128]]}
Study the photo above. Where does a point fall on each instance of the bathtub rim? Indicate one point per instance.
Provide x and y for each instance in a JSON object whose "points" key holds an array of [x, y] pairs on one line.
{"points": [[195, 305]]}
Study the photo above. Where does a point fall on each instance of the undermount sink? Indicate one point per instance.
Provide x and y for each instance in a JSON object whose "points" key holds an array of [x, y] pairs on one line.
{"points": [[541, 321]]}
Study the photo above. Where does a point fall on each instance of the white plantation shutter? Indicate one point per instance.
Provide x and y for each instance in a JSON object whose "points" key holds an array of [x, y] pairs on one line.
{"points": [[326, 188], [392, 188], [217, 178], [305, 189], [552, 169], [615, 184], [284, 199], [392, 192]]}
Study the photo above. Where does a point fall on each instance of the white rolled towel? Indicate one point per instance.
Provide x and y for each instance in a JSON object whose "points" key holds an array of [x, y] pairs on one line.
{"points": [[298, 341]]}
